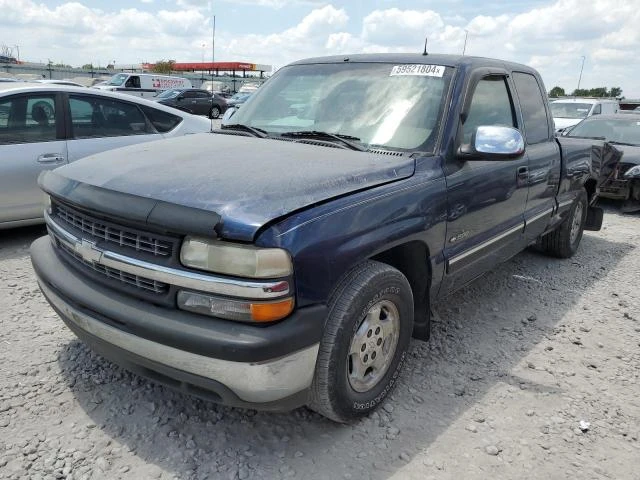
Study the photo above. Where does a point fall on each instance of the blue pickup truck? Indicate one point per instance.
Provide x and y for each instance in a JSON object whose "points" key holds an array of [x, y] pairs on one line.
{"points": [[288, 258]]}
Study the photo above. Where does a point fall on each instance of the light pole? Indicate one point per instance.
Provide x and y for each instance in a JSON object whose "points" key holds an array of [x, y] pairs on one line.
{"points": [[466, 34], [580, 77], [18, 49]]}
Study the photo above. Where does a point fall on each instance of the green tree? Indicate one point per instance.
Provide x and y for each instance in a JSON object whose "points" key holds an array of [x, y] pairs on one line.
{"points": [[557, 92], [615, 92], [88, 66], [162, 66]]}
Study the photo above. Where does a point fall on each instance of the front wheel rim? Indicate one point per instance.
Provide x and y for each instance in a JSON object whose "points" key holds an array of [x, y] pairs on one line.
{"points": [[576, 223], [373, 346]]}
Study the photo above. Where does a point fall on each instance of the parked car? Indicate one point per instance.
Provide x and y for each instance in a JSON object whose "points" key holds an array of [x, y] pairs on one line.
{"points": [[238, 99], [5, 79], [288, 259], [570, 111], [623, 132], [45, 126], [194, 100]]}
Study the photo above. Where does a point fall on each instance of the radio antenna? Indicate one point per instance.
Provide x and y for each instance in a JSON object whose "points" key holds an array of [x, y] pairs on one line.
{"points": [[425, 46]]}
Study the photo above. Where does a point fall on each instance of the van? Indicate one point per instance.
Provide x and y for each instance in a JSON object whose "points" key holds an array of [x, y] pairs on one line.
{"points": [[143, 84], [568, 112]]}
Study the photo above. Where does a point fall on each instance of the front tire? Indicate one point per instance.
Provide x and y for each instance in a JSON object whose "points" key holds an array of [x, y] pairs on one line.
{"points": [[364, 345], [563, 242]]}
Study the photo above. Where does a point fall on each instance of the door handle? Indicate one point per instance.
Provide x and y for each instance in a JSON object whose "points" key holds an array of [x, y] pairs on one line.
{"points": [[522, 175], [50, 158]]}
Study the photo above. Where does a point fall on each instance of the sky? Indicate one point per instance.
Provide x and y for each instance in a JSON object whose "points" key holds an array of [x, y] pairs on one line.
{"points": [[555, 37]]}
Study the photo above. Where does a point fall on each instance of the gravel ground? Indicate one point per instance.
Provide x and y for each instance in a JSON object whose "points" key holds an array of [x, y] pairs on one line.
{"points": [[532, 372]]}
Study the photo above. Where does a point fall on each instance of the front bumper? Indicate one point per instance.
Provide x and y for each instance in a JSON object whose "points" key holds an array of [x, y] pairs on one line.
{"points": [[235, 364]]}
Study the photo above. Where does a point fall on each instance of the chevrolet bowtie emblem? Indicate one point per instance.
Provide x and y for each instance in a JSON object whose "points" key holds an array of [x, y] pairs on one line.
{"points": [[88, 251]]}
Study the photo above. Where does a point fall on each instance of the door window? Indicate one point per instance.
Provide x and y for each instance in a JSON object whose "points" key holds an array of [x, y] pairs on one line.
{"points": [[202, 94], [189, 94], [534, 114], [97, 117], [597, 110], [27, 119], [490, 105], [133, 82]]}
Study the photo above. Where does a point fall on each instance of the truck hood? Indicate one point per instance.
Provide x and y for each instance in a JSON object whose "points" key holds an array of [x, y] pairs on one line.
{"points": [[248, 182]]}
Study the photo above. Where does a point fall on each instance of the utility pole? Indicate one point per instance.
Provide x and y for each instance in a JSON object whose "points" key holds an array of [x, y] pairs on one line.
{"points": [[466, 34], [18, 49], [580, 77], [213, 46]]}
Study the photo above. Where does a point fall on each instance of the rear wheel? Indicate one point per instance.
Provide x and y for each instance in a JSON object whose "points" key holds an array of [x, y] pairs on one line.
{"points": [[364, 345], [214, 112], [563, 242]]}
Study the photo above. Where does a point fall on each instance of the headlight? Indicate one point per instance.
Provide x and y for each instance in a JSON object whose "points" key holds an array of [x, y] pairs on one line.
{"points": [[632, 172], [237, 260]]}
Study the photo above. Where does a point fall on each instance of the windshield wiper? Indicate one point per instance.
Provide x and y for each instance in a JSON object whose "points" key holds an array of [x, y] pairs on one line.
{"points": [[622, 143], [343, 139], [257, 132]]}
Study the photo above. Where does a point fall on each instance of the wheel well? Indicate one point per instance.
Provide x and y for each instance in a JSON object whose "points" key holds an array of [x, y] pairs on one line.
{"points": [[590, 187], [412, 259]]}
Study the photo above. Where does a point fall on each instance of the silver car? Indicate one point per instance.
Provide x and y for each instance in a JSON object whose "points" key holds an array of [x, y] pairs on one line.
{"points": [[45, 126]]}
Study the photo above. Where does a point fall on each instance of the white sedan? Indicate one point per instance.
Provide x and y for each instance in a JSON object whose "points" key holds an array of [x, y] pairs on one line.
{"points": [[44, 126]]}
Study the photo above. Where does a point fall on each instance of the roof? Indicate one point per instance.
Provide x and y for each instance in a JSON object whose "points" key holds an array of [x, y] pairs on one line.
{"points": [[418, 58], [24, 87]]}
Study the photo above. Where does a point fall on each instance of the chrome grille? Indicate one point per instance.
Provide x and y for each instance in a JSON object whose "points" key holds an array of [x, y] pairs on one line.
{"points": [[125, 277], [116, 234]]}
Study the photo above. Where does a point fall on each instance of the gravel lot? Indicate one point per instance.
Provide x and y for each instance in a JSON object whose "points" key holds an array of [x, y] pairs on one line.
{"points": [[517, 360]]}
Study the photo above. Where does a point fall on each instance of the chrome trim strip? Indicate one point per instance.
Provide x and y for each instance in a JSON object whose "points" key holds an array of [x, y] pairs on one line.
{"points": [[565, 203], [259, 382], [485, 244], [245, 289], [539, 216]]}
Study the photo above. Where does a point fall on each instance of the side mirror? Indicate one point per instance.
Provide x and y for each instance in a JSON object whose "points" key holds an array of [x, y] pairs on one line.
{"points": [[228, 114], [492, 142]]}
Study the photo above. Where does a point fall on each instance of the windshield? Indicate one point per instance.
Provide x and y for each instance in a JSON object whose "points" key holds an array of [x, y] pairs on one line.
{"points": [[622, 130], [118, 79], [381, 104], [570, 110], [169, 94]]}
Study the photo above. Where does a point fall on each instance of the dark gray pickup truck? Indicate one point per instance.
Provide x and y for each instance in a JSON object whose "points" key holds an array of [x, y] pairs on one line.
{"points": [[288, 258]]}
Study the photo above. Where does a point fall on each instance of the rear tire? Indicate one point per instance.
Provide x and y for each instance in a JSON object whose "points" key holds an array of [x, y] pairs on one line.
{"points": [[563, 242], [365, 340], [214, 112]]}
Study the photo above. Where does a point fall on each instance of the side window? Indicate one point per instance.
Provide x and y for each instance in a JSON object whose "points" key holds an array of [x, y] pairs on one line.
{"points": [[490, 105], [597, 110], [189, 94], [202, 95], [133, 82], [163, 121], [534, 115], [97, 117], [27, 119]]}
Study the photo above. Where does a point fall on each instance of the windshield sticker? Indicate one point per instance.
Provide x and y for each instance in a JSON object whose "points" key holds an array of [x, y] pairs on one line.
{"points": [[419, 70]]}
